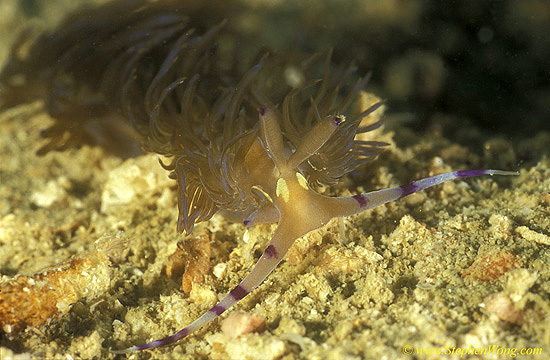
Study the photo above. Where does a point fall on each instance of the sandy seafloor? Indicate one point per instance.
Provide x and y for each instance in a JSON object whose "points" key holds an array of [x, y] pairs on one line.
{"points": [[377, 285]]}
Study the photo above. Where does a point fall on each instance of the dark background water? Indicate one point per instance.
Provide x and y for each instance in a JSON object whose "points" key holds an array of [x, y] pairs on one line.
{"points": [[485, 62]]}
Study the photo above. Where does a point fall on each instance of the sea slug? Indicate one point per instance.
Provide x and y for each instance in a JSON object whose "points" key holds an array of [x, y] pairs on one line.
{"points": [[252, 143]]}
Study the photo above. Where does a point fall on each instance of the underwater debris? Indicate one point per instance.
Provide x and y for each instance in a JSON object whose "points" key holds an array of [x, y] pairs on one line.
{"points": [[35, 299], [510, 304], [191, 260], [531, 235], [504, 308], [239, 323], [492, 264]]}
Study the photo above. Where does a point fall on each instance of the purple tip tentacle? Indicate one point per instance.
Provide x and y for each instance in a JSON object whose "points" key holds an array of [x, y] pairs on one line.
{"points": [[275, 251]]}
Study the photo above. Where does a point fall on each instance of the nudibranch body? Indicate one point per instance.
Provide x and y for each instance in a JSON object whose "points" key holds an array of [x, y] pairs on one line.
{"points": [[291, 202]]}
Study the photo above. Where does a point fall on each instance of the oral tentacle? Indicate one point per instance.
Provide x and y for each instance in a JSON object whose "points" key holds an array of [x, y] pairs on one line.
{"points": [[282, 240], [362, 202]]}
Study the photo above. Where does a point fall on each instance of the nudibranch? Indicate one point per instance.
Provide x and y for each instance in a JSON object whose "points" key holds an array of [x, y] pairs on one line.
{"points": [[274, 171], [255, 144]]}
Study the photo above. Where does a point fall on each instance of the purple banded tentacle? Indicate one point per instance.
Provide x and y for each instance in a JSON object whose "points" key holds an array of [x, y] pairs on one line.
{"points": [[234, 296], [282, 240], [346, 206], [376, 198]]}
